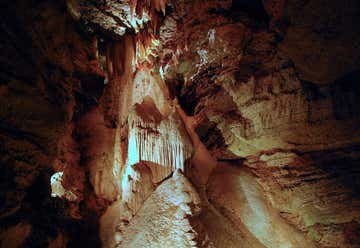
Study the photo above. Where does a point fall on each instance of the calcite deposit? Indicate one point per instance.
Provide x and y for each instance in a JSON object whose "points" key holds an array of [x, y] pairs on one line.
{"points": [[173, 123]]}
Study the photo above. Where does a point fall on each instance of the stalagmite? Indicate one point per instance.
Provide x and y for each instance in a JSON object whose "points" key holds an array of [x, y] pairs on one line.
{"points": [[190, 123], [165, 218], [158, 145]]}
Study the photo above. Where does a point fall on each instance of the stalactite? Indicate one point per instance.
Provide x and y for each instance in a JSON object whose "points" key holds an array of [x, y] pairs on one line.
{"points": [[163, 6], [117, 158], [157, 139], [95, 47], [117, 58], [146, 45], [133, 4], [141, 7], [159, 5], [109, 61], [155, 25], [162, 145], [73, 9], [211, 37]]}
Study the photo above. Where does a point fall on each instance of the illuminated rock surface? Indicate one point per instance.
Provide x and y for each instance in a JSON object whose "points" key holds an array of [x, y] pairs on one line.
{"points": [[153, 123], [164, 220]]}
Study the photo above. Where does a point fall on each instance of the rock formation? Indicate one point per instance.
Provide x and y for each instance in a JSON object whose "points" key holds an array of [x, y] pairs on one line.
{"points": [[154, 123]]}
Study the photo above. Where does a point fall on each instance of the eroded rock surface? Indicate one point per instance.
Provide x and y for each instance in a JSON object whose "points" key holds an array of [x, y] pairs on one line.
{"points": [[165, 218], [179, 123], [259, 101]]}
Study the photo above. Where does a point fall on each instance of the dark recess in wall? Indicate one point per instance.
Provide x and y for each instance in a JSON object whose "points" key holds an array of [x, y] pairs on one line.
{"points": [[253, 8], [345, 93]]}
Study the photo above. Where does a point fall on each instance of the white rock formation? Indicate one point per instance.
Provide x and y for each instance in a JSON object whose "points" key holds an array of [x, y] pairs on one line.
{"points": [[156, 135]]}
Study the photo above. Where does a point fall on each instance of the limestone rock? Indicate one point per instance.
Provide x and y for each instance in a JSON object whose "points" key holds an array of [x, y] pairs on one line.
{"points": [[165, 218]]}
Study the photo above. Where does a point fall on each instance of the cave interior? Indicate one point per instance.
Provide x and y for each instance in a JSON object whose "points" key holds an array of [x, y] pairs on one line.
{"points": [[177, 123]]}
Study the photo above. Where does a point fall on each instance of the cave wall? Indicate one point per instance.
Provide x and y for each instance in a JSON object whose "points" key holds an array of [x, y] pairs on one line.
{"points": [[50, 77], [269, 94], [271, 105]]}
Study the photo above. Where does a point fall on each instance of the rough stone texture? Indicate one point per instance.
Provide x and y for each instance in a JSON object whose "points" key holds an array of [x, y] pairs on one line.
{"points": [[294, 122], [271, 104], [48, 79], [235, 192], [321, 39], [310, 192], [164, 220]]}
